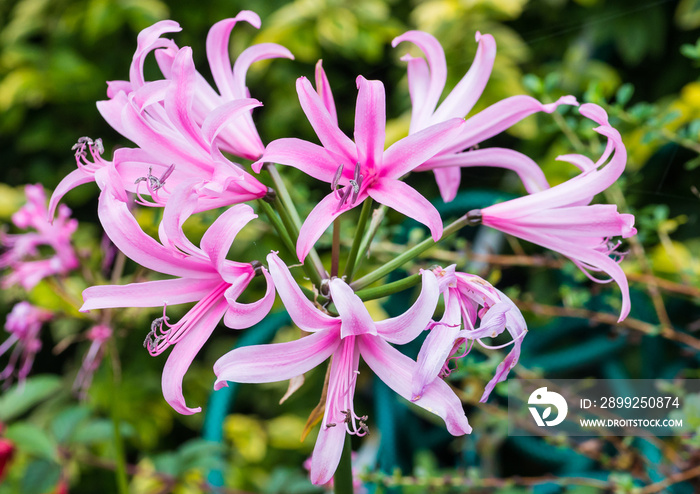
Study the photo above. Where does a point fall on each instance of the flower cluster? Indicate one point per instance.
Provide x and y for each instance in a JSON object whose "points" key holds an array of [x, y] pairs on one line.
{"points": [[185, 135], [24, 324], [22, 257]]}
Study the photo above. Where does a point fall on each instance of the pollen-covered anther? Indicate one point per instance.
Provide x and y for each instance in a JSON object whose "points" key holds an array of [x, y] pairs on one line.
{"points": [[153, 183], [270, 195], [98, 146], [257, 267], [336, 177], [325, 287], [156, 336], [354, 424], [80, 147], [352, 189]]}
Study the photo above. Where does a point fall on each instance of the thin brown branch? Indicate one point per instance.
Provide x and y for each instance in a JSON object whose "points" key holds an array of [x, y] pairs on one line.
{"points": [[614, 194], [672, 479], [603, 318], [485, 483], [169, 481], [549, 262]]}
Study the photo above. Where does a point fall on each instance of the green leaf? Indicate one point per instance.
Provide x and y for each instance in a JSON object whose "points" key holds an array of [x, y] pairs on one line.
{"points": [[533, 84], [692, 164], [40, 477], [99, 430], [66, 422], [22, 397], [624, 94], [33, 440], [691, 51]]}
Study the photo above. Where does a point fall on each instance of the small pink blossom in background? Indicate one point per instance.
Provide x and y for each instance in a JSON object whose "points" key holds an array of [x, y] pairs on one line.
{"points": [[468, 298], [98, 336], [24, 325], [22, 257]]}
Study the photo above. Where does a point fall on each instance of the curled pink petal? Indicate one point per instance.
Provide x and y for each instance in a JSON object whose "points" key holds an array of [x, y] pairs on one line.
{"points": [[370, 122], [406, 327], [353, 314], [397, 370], [529, 172], [465, 94], [323, 88], [275, 362], [183, 354], [406, 200], [240, 315], [300, 309], [218, 50]]}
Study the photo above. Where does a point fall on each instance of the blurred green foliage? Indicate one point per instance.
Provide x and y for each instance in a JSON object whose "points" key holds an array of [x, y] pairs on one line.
{"points": [[639, 59]]}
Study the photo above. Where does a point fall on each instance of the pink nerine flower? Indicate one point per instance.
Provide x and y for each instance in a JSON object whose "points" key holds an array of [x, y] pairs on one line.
{"points": [[22, 254], [24, 324], [239, 136], [98, 336], [351, 335], [468, 298], [204, 275], [173, 150], [562, 218], [180, 123], [426, 81], [361, 168]]}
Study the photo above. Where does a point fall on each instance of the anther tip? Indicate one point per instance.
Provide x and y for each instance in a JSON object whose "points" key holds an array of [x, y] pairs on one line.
{"points": [[474, 217]]}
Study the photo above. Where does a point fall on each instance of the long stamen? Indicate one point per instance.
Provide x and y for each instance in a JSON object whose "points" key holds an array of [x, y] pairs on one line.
{"points": [[336, 177], [340, 397], [344, 196], [351, 191], [498, 347], [81, 148], [159, 339]]}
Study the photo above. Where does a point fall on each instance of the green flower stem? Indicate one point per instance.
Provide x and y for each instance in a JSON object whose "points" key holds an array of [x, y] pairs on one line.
{"points": [[294, 221], [389, 288], [283, 193], [288, 242], [342, 480], [357, 241], [410, 254], [374, 224], [335, 253], [120, 459], [311, 271], [277, 224]]}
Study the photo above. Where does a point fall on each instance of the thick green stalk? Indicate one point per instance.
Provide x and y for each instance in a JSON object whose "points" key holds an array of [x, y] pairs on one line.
{"points": [[389, 288], [120, 458], [335, 250], [295, 222], [410, 254], [357, 241], [374, 224], [283, 193], [277, 225], [288, 242], [342, 480]]}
